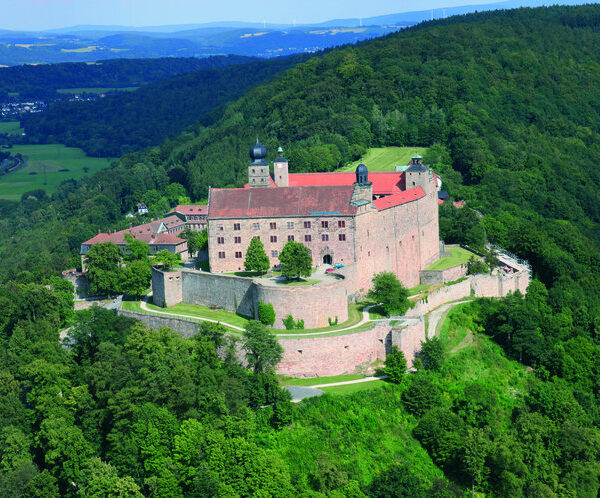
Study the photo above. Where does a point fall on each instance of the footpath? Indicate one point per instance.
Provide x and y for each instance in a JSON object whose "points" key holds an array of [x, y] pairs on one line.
{"points": [[365, 318]]}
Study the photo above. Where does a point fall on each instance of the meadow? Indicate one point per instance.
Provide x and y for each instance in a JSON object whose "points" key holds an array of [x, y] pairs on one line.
{"points": [[385, 158], [10, 128], [48, 166]]}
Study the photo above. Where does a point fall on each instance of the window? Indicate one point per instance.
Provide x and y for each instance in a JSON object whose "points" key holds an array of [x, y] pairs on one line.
{"points": [[220, 240], [238, 254], [324, 237], [290, 237], [342, 236], [219, 228], [341, 224], [273, 238], [236, 226], [307, 238], [221, 255], [272, 225], [307, 224], [290, 225], [256, 226], [325, 224], [237, 240], [274, 254]]}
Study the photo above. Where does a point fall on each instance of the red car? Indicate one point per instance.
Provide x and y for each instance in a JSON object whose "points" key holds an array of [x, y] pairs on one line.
{"points": [[329, 270]]}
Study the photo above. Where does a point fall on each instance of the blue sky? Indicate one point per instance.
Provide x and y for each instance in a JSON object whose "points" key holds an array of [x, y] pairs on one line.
{"points": [[45, 14]]}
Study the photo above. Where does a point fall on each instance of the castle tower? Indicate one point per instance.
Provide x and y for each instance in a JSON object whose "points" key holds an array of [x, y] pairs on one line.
{"points": [[417, 175], [363, 188], [280, 170], [258, 169]]}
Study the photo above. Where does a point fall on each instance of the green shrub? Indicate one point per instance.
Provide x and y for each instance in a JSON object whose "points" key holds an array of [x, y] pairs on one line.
{"points": [[332, 322], [266, 313], [289, 322]]}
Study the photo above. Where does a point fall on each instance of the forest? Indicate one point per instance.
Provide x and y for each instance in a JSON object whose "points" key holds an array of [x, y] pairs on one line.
{"points": [[131, 121], [507, 104], [42, 80]]}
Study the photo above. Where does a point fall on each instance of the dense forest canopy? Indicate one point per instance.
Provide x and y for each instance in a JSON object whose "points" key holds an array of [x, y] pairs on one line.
{"points": [[128, 122], [42, 80], [507, 103]]}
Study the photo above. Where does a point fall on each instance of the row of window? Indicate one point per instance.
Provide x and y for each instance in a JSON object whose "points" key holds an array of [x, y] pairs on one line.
{"points": [[289, 225], [238, 254], [273, 238]]}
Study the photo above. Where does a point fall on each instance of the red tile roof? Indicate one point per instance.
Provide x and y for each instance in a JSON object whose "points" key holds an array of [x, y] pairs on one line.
{"points": [[281, 201], [384, 182], [402, 198], [191, 209]]}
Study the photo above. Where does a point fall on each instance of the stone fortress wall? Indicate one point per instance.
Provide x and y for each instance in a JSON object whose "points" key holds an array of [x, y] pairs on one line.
{"points": [[325, 355], [314, 304]]}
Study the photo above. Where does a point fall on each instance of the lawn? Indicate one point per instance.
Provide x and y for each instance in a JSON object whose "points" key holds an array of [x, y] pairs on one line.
{"points": [[76, 91], [194, 312], [315, 381], [43, 170], [386, 158], [10, 128], [300, 281], [352, 388], [459, 256]]}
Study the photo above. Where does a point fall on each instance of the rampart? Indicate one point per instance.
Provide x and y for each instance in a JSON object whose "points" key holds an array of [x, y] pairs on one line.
{"points": [[221, 291], [314, 304], [431, 277], [185, 328]]}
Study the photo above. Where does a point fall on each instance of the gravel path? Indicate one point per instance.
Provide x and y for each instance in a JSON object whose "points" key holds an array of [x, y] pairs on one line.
{"points": [[302, 392], [437, 317]]}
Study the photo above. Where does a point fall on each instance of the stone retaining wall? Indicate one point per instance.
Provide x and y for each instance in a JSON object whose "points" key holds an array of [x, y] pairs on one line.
{"points": [[185, 328], [444, 276]]}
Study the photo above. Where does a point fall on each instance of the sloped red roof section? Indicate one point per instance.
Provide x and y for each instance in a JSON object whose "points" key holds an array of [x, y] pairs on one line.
{"points": [[281, 201], [397, 199], [191, 209], [384, 182]]}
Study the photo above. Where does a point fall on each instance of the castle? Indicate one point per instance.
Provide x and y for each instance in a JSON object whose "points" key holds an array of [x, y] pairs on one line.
{"points": [[370, 221]]}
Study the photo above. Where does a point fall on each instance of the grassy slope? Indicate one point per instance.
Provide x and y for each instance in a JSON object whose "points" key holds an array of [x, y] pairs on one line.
{"points": [[10, 128], [52, 158], [385, 158], [459, 256]]}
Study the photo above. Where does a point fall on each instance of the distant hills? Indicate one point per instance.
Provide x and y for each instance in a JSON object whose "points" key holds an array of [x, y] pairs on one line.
{"points": [[91, 43]]}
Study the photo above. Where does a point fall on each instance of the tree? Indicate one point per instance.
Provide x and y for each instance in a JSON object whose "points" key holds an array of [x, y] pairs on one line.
{"points": [[475, 266], [266, 313], [99, 479], [388, 291], [136, 278], [103, 268], [135, 249], [256, 257], [196, 241], [422, 394], [432, 353], [395, 365], [296, 259], [263, 351], [168, 259]]}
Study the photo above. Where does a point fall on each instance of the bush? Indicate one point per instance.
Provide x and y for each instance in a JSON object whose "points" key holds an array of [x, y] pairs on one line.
{"points": [[392, 295], [332, 322], [289, 322], [476, 266], [266, 313]]}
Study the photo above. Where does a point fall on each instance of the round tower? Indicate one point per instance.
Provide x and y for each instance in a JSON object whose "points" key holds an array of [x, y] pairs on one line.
{"points": [[258, 169]]}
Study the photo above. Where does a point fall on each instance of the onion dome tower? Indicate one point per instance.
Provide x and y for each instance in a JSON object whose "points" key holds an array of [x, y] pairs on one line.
{"points": [[258, 169]]}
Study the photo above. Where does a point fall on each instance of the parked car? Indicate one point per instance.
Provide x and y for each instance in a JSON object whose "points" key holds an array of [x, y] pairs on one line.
{"points": [[329, 270]]}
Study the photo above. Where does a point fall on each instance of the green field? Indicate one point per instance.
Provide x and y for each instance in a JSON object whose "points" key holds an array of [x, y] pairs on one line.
{"points": [[459, 256], [10, 128], [315, 381], [352, 388], [386, 158], [44, 163], [75, 91]]}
